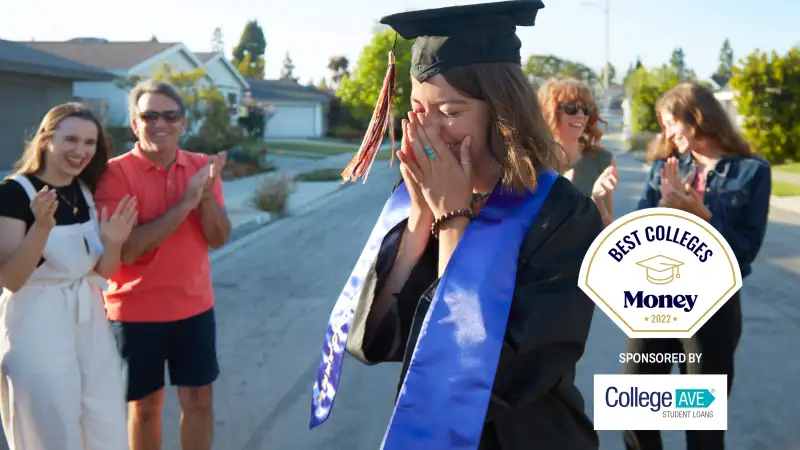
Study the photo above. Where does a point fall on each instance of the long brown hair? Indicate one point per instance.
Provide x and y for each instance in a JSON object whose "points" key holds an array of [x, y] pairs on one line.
{"points": [[695, 105], [556, 92], [33, 158], [519, 138]]}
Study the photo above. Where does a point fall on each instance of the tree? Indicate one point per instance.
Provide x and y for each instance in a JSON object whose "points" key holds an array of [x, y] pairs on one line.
{"points": [[287, 69], [250, 69], [678, 61], [645, 87], [217, 43], [338, 66], [767, 95], [188, 85], [540, 68], [725, 69], [639, 64], [248, 55], [612, 74], [216, 133], [360, 90], [628, 74]]}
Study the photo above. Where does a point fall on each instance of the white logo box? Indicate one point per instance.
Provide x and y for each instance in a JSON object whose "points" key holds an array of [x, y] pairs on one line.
{"points": [[687, 402]]}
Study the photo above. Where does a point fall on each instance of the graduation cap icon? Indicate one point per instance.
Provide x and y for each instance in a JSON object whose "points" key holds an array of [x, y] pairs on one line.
{"points": [[661, 269]]}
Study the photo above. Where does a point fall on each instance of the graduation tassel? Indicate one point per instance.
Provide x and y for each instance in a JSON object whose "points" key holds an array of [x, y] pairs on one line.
{"points": [[382, 118]]}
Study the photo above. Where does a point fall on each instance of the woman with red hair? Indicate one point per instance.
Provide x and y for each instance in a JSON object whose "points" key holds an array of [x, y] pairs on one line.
{"points": [[571, 112]]}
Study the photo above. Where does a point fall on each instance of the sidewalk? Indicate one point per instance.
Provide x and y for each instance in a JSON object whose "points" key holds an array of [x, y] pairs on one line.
{"points": [[245, 218], [614, 143]]}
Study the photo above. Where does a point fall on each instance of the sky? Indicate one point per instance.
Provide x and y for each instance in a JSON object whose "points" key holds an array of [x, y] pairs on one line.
{"points": [[312, 31]]}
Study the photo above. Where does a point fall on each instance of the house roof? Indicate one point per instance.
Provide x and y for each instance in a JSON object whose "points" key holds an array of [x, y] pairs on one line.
{"points": [[15, 57], [101, 53], [285, 90], [208, 57], [205, 56], [721, 81]]}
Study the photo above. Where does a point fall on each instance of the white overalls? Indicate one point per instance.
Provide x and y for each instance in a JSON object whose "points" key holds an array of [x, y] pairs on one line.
{"points": [[61, 376]]}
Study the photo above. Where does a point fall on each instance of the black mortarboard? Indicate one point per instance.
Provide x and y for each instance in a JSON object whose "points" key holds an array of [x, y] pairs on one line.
{"points": [[461, 35]]}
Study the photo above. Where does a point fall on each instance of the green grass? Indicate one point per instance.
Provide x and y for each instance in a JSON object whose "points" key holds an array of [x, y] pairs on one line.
{"points": [[310, 147], [320, 175], [385, 156], [783, 189], [300, 155], [788, 168]]}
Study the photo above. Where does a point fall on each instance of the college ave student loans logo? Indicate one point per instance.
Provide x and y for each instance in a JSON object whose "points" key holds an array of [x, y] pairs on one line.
{"points": [[660, 273], [660, 402]]}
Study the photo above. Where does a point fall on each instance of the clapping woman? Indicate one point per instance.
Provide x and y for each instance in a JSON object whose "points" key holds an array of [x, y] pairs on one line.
{"points": [[61, 382], [572, 114], [701, 165]]}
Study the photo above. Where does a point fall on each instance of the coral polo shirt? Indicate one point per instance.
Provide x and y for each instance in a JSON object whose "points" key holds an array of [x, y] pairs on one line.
{"points": [[172, 281]]}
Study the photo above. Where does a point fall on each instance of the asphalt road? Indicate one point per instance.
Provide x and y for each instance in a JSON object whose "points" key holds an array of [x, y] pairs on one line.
{"points": [[276, 290]]}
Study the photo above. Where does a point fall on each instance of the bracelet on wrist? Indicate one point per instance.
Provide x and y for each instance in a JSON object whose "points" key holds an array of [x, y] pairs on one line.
{"points": [[437, 224]]}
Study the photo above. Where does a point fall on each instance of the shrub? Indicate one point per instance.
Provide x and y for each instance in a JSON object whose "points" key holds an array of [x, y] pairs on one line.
{"points": [[120, 139], [272, 194], [767, 88], [216, 134], [320, 175]]}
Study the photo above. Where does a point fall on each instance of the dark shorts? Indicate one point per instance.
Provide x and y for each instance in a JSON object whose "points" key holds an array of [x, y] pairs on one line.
{"points": [[187, 347]]}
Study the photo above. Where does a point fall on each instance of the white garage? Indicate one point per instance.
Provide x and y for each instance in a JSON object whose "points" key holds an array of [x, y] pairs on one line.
{"points": [[299, 110], [295, 121]]}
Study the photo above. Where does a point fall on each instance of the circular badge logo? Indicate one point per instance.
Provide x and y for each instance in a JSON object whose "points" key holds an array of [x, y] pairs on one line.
{"points": [[660, 273]]}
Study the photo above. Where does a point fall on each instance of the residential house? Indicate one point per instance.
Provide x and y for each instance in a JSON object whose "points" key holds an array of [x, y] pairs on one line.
{"points": [[227, 78], [299, 110], [128, 59], [727, 97], [31, 83]]}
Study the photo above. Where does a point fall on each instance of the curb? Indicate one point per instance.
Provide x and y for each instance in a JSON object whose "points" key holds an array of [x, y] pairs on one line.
{"points": [[246, 232]]}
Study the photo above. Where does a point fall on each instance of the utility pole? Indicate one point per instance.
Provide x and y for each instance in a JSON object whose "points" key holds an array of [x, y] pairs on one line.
{"points": [[607, 78], [607, 11]]}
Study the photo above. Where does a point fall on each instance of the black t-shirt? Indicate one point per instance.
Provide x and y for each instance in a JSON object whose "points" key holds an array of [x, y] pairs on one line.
{"points": [[15, 202]]}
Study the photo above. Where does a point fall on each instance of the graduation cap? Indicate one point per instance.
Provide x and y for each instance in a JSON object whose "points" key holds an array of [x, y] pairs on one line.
{"points": [[462, 35], [661, 269], [444, 38]]}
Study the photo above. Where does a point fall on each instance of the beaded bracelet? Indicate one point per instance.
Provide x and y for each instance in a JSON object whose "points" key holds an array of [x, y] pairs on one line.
{"points": [[465, 212]]}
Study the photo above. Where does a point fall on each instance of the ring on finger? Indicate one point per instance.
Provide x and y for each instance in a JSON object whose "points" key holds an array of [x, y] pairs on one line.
{"points": [[428, 149]]}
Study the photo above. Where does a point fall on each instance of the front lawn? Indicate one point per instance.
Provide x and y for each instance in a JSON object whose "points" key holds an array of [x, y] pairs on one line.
{"points": [[783, 189], [788, 168]]}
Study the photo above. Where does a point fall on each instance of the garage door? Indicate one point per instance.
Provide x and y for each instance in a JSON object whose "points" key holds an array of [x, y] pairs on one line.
{"points": [[295, 121], [24, 103]]}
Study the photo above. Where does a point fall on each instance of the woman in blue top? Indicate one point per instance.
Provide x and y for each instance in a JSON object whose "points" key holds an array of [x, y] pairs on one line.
{"points": [[701, 165]]}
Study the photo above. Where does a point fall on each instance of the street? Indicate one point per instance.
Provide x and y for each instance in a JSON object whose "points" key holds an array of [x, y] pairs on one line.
{"points": [[277, 287]]}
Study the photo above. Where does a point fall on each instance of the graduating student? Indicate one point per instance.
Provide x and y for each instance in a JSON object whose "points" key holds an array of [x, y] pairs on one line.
{"points": [[470, 276]]}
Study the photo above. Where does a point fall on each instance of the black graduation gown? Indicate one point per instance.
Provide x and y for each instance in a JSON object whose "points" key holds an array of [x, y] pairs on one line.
{"points": [[535, 403]]}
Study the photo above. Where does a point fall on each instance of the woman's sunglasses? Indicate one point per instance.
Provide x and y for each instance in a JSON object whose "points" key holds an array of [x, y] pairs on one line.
{"points": [[169, 116], [572, 108]]}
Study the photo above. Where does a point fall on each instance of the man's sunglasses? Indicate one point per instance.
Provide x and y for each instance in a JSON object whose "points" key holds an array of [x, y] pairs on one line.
{"points": [[572, 108], [169, 116]]}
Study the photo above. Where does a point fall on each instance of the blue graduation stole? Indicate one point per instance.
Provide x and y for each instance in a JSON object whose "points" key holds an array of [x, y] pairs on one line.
{"points": [[445, 395]]}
